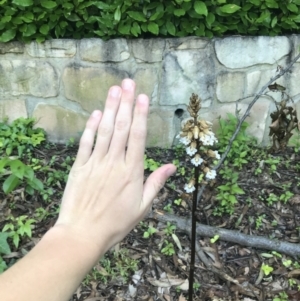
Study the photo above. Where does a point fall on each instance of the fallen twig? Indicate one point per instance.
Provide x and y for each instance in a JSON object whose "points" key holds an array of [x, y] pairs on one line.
{"points": [[258, 242]]}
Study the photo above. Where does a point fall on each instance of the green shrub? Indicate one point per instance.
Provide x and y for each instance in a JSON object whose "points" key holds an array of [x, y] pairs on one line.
{"points": [[28, 20]]}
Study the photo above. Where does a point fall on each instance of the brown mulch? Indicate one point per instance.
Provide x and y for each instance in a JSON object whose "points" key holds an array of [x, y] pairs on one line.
{"points": [[164, 277]]}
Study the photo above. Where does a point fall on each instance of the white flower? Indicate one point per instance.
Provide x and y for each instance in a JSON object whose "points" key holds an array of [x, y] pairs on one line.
{"points": [[189, 188], [218, 157], [191, 151], [208, 139], [211, 174], [197, 160], [185, 140]]}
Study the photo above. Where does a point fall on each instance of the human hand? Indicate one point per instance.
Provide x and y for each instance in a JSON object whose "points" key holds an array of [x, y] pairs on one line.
{"points": [[105, 196]]}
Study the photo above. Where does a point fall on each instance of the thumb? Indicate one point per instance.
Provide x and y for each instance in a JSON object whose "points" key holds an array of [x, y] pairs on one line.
{"points": [[156, 181]]}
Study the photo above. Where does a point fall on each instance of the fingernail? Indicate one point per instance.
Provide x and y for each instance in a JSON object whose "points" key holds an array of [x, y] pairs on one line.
{"points": [[127, 84], [170, 171], [95, 113], [115, 92]]}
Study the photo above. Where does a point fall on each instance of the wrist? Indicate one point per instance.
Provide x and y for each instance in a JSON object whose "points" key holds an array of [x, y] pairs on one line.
{"points": [[82, 248]]}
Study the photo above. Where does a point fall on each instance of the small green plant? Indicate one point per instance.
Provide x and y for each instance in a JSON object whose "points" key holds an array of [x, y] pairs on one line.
{"points": [[4, 250], [241, 146], [259, 220], [41, 214], [272, 162], [168, 249], [120, 265], [281, 297], [258, 171], [70, 142], [168, 208], [170, 229], [150, 164], [285, 196], [19, 135], [180, 169], [149, 232], [18, 227], [196, 286], [272, 198], [16, 173], [295, 141], [227, 197], [292, 282], [287, 263], [178, 202], [266, 269], [214, 239]]}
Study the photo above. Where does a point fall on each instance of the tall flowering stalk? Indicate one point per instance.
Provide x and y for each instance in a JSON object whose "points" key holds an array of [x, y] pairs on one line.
{"points": [[197, 135]]}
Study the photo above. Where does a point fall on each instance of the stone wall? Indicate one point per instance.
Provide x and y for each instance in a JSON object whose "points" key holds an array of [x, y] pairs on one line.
{"points": [[61, 81]]}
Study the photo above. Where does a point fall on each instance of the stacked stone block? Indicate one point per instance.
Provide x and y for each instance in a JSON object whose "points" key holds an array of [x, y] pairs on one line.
{"points": [[60, 82]]}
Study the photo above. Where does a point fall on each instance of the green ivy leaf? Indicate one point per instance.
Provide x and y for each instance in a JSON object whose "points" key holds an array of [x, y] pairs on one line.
{"points": [[36, 184], [23, 2], [30, 30], [200, 8], [48, 4], [255, 2], [17, 168], [5, 19], [210, 19], [171, 28], [117, 14], [179, 12], [271, 4], [153, 28], [7, 35], [4, 246], [3, 162], [274, 22], [135, 29], [10, 184], [16, 239], [229, 8], [44, 29], [138, 16], [236, 189], [292, 7]]}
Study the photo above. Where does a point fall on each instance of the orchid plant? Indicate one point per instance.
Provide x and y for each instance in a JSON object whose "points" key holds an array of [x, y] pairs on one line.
{"points": [[198, 137]]}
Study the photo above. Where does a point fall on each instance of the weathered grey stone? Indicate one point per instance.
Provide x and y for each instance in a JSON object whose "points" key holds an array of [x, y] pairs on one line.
{"points": [[24, 77], [230, 86], [295, 39], [294, 79], [146, 81], [52, 48], [13, 109], [160, 127], [12, 47], [255, 80], [258, 116], [89, 86], [186, 72], [188, 43], [148, 51], [97, 50], [241, 52], [5, 83], [60, 124]]}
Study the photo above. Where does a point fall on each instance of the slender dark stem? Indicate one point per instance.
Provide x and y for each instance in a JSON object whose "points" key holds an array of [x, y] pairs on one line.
{"points": [[193, 235]]}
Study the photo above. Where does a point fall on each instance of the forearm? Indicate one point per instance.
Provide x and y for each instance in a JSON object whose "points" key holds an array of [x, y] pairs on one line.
{"points": [[52, 271]]}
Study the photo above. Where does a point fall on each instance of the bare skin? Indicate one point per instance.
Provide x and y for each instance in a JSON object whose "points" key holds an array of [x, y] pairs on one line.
{"points": [[105, 197]]}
